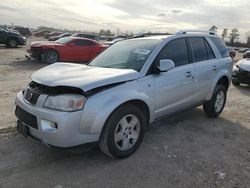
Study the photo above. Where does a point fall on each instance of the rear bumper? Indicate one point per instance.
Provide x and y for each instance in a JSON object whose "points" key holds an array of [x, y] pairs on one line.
{"points": [[66, 135]]}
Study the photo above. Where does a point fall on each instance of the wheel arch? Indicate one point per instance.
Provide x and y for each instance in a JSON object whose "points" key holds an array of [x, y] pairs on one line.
{"points": [[222, 78]]}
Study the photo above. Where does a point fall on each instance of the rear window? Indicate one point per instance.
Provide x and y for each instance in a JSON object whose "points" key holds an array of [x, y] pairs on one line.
{"points": [[201, 50], [220, 46]]}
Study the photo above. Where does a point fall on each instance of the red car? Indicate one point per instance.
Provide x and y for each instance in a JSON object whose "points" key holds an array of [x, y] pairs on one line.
{"points": [[66, 49]]}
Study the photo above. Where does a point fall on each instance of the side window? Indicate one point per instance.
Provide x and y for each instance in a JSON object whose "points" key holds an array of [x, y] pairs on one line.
{"points": [[210, 53], [198, 48], [220, 45], [84, 43], [177, 51]]}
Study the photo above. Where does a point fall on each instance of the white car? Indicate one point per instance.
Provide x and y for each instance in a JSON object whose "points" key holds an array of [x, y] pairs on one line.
{"points": [[131, 84]]}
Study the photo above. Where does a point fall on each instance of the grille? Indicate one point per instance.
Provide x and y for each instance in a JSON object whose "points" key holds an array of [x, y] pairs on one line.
{"points": [[31, 97], [26, 117]]}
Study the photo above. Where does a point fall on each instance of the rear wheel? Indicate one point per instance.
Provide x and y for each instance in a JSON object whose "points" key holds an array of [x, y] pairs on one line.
{"points": [[51, 56], [123, 132], [215, 105], [12, 43]]}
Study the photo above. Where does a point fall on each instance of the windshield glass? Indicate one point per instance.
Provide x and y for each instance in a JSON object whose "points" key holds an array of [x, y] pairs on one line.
{"points": [[64, 40], [129, 54]]}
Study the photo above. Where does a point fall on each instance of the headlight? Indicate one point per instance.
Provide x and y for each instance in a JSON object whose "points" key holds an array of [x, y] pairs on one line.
{"points": [[235, 68], [65, 102]]}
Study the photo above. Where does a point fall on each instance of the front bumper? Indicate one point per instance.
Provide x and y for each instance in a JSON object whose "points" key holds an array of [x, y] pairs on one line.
{"points": [[241, 76], [22, 41], [68, 132]]}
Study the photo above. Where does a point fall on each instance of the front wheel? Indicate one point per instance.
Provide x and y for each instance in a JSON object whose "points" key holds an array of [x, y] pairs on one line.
{"points": [[215, 105], [51, 56], [235, 82], [123, 132], [12, 43]]}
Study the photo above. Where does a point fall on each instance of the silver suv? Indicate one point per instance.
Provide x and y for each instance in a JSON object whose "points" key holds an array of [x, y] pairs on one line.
{"points": [[131, 84]]}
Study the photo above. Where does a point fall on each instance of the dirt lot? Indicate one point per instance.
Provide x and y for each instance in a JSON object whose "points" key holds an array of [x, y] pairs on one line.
{"points": [[187, 150]]}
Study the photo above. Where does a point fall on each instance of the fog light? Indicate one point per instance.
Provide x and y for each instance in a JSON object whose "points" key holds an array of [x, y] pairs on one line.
{"points": [[48, 126]]}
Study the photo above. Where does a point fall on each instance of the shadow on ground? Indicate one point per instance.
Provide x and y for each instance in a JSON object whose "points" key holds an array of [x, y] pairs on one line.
{"points": [[186, 150]]}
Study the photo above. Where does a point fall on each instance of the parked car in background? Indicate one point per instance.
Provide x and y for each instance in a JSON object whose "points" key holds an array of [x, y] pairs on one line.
{"points": [[109, 43], [241, 72], [232, 52], [40, 33], [11, 38], [86, 35], [246, 54], [128, 86], [243, 50], [74, 49], [23, 31], [54, 38], [52, 34]]}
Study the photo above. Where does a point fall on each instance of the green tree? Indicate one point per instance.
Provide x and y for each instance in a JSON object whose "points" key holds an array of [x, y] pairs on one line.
{"points": [[213, 29], [234, 35], [224, 34]]}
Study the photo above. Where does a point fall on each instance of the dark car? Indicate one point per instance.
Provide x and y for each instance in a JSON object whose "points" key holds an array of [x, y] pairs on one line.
{"points": [[59, 36], [241, 72], [246, 54], [86, 35], [23, 31], [11, 38], [73, 49]]}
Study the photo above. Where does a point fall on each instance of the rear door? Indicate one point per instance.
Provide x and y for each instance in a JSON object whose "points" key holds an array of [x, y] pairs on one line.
{"points": [[174, 88], [203, 60]]}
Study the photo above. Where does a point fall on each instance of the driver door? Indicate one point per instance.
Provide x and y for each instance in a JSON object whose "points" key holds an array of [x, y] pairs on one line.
{"points": [[174, 88]]}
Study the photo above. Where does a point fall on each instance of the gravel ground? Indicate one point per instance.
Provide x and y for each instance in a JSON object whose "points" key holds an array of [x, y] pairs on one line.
{"points": [[187, 150]]}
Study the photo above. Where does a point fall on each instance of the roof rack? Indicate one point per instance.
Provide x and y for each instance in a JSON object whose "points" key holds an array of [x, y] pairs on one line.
{"points": [[181, 32]]}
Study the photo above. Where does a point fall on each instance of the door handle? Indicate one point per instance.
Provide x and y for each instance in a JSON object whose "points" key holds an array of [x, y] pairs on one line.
{"points": [[214, 67], [188, 74]]}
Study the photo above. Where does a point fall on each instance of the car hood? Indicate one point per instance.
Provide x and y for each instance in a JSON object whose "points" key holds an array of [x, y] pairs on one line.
{"points": [[81, 76], [44, 43], [244, 64]]}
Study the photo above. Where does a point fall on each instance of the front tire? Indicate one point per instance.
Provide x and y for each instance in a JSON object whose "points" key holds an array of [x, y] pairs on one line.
{"points": [[215, 105], [51, 56], [123, 132], [12, 43], [235, 82]]}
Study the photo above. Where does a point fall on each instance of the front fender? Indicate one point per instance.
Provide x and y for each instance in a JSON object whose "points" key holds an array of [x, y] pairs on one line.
{"points": [[99, 107]]}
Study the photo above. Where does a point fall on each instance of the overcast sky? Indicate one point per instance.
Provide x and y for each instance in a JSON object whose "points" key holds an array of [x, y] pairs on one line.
{"points": [[128, 15]]}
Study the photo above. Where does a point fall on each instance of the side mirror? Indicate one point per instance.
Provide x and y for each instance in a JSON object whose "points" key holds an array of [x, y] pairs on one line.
{"points": [[165, 65]]}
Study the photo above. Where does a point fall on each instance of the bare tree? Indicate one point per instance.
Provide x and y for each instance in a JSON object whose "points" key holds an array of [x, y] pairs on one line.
{"points": [[224, 34], [234, 35]]}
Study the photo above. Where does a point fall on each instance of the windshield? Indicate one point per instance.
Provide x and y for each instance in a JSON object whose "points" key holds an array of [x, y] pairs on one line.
{"points": [[64, 40], [129, 54]]}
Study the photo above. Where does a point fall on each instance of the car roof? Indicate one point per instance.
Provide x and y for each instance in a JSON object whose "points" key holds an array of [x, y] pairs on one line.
{"points": [[158, 37], [82, 38]]}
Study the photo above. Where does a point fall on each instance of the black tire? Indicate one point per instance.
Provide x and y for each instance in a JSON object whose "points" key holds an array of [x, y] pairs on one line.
{"points": [[235, 82], [12, 43], [51, 56], [107, 139], [209, 107]]}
